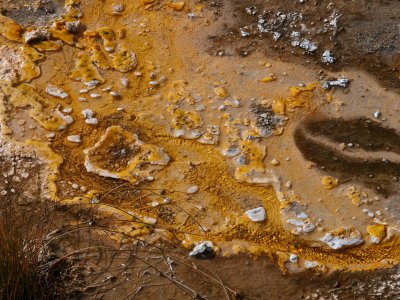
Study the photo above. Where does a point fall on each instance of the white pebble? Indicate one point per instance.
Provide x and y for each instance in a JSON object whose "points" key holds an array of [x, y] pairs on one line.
{"points": [[87, 113], [67, 110], [91, 121], [56, 92], [74, 139], [192, 189], [115, 94], [377, 114], [125, 81], [293, 258], [256, 214]]}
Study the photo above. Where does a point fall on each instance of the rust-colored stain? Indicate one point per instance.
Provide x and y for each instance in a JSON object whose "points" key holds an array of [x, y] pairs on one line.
{"points": [[166, 118]]}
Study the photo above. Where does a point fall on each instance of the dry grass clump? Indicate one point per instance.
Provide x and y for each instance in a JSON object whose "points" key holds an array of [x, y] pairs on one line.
{"points": [[26, 268], [49, 251]]}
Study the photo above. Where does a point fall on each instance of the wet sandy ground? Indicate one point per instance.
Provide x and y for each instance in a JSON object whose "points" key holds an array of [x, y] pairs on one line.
{"points": [[245, 123]]}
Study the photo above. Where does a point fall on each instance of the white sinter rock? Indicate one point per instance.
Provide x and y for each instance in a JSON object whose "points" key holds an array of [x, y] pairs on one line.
{"points": [[74, 138], [342, 238], [327, 57], [56, 92], [87, 113], [257, 214], [204, 249]]}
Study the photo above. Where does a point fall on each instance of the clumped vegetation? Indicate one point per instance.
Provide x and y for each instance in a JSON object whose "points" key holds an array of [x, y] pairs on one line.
{"points": [[53, 251], [28, 267]]}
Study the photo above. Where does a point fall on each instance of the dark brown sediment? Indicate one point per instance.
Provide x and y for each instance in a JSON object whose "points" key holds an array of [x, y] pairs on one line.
{"points": [[366, 36], [375, 171]]}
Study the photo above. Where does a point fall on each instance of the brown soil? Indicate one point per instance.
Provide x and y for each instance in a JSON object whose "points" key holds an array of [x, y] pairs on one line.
{"points": [[35, 12], [375, 170], [366, 35]]}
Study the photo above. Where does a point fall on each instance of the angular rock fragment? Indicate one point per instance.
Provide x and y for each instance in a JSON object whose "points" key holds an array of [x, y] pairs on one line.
{"points": [[302, 226], [343, 237], [74, 138], [36, 35], [340, 82], [330, 182], [257, 214], [327, 57], [73, 27], [308, 46], [377, 233], [203, 250], [56, 92]]}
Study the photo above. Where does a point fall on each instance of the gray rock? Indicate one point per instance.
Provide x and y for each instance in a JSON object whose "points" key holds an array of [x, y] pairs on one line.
{"points": [[73, 26], [204, 250], [308, 45], [340, 82], [56, 92], [327, 57], [343, 238], [36, 35]]}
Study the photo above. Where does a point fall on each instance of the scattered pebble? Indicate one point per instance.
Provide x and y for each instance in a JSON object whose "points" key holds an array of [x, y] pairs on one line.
{"points": [[341, 82], [327, 57], [192, 189], [92, 121], [36, 35], [51, 135], [73, 26], [154, 83], [56, 92], [87, 113], [74, 139], [377, 233], [377, 114], [115, 94], [308, 45], [204, 250], [125, 82], [293, 258], [118, 8], [67, 110], [274, 162], [342, 238], [257, 214], [330, 182], [310, 264]]}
